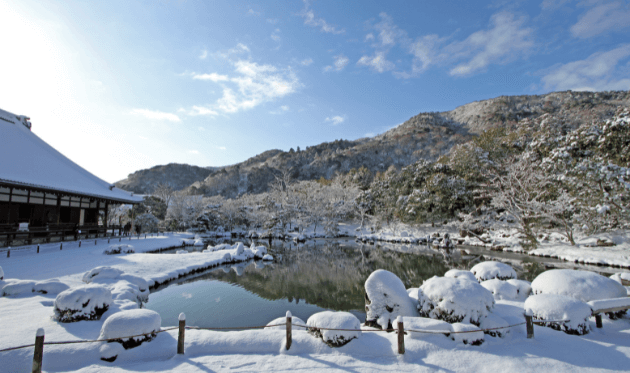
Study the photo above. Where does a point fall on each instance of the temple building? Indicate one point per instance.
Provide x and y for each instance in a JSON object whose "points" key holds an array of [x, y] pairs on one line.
{"points": [[43, 194]]}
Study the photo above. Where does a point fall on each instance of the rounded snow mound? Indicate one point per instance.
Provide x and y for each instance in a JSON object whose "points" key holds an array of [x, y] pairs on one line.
{"points": [[17, 287], [563, 313], [119, 249], [101, 273], [87, 302], [467, 334], [425, 324], [279, 323], [523, 288], [460, 273], [498, 326], [385, 299], [621, 277], [454, 300], [51, 286], [489, 270], [267, 257], [319, 322], [582, 285], [501, 289], [141, 325]]}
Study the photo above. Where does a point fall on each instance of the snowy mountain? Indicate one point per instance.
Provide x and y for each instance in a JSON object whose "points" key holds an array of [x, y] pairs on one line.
{"points": [[178, 176]]}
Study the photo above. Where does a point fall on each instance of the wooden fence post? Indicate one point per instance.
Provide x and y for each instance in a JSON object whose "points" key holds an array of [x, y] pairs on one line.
{"points": [[182, 331], [61, 246], [289, 329], [9, 253], [39, 351], [530, 326], [107, 239], [401, 335], [79, 243], [598, 320], [38, 249], [94, 242]]}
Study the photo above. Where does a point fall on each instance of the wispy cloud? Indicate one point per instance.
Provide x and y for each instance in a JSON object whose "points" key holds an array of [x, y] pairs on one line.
{"points": [[239, 49], [387, 37], [337, 119], [601, 18], [598, 72], [203, 55], [306, 62], [311, 20], [212, 77], [200, 110], [252, 12], [272, 21], [193, 152], [506, 40], [156, 115], [221, 148], [339, 62], [377, 62], [281, 110]]}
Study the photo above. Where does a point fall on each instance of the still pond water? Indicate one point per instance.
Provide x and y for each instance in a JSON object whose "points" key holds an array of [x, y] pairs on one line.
{"points": [[304, 279]]}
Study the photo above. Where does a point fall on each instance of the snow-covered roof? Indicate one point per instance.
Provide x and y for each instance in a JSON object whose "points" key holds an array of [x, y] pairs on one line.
{"points": [[27, 160]]}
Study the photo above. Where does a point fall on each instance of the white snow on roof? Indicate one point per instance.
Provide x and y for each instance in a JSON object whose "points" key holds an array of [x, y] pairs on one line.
{"points": [[28, 160]]}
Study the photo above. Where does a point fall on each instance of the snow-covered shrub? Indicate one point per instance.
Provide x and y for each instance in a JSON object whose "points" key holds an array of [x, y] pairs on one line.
{"points": [[17, 287], [492, 322], [386, 299], [119, 249], [582, 285], [334, 320], [87, 302], [101, 273], [52, 286], [460, 273], [199, 242], [278, 323], [424, 323], [554, 307], [467, 334], [501, 289], [622, 277], [110, 351], [124, 290], [129, 323], [267, 257], [523, 288], [489, 270], [147, 222], [455, 300]]}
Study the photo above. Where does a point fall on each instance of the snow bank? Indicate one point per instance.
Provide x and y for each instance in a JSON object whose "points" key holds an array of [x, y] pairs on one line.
{"points": [[582, 285], [501, 289], [472, 335], [553, 307], [386, 299], [52, 286], [493, 321], [489, 270], [17, 287], [523, 288], [454, 300], [460, 273], [131, 323], [334, 320], [283, 320], [426, 324], [119, 249], [100, 273], [87, 302]]}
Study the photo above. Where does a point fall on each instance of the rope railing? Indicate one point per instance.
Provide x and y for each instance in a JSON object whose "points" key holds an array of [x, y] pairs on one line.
{"points": [[401, 331]]}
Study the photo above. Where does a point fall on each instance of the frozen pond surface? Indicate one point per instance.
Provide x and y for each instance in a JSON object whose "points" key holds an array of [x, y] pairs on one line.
{"points": [[309, 278]]}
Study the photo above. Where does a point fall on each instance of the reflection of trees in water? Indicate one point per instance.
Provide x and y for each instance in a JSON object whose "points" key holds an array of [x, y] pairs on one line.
{"points": [[329, 275]]}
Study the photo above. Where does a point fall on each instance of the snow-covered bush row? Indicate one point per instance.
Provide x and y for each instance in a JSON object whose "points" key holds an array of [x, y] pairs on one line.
{"points": [[21, 287], [386, 299], [87, 302], [123, 286], [582, 285], [472, 335], [501, 289], [131, 323], [424, 323], [296, 322], [334, 320], [119, 249], [493, 322], [454, 300], [489, 270], [554, 307], [460, 273]]}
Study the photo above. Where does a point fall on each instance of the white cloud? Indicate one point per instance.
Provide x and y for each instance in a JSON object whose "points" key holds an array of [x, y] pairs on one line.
{"points": [[281, 110], [388, 33], [204, 55], [239, 49], [598, 72], [200, 110], [275, 35], [378, 62], [306, 61], [311, 20], [252, 12], [201, 129], [425, 53], [272, 21], [369, 37], [340, 61], [212, 77], [504, 41], [156, 115], [335, 120], [221, 148], [552, 4], [193, 152], [601, 18]]}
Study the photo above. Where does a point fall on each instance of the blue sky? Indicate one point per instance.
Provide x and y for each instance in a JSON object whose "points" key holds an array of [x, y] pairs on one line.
{"points": [[119, 86]]}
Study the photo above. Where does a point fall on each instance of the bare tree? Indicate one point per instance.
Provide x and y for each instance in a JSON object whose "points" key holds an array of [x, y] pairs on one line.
{"points": [[164, 192]]}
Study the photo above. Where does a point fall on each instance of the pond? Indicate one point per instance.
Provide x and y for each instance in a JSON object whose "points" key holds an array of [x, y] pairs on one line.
{"points": [[309, 278]]}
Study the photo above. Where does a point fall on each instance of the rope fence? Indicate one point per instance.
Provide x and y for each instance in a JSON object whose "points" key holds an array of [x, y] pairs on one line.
{"points": [[401, 331]]}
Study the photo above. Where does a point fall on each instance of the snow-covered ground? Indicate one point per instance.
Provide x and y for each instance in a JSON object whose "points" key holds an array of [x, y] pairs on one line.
{"points": [[264, 350]]}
